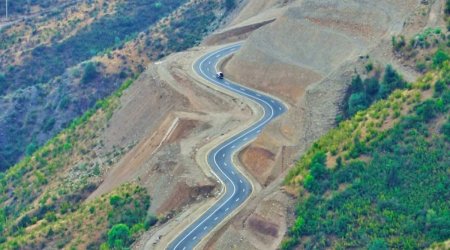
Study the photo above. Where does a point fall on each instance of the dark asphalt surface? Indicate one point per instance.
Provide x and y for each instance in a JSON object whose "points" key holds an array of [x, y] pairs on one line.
{"points": [[238, 188]]}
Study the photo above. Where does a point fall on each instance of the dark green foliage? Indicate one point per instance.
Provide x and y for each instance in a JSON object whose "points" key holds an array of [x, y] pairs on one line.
{"points": [[31, 148], [230, 4], [119, 236], [362, 93], [427, 110], [356, 102], [357, 84], [115, 200], [398, 43], [372, 86], [439, 57], [47, 62], [391, 81], [314, 182], [24, 6], [378, 244], [189, 30], [397, 200], [150, 221], [446, 130], [447, 7], [49, 123], [90, 72], [3, 83], [65, 102]]}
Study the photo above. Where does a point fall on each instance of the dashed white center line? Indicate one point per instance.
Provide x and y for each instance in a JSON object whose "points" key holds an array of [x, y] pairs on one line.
{"points": [[233, 172], [205, 228], [237, 199], [216, 218], [259, 131], [207, 69], [233, 146], [195, 237], [227, 209], [242, 89], [272, 101], [279, 108], [223, 155], [245, 139], [184, 248], [209, 62], [258, 95], [243, 190], [217, 56], [240, 181], [225, 164]]}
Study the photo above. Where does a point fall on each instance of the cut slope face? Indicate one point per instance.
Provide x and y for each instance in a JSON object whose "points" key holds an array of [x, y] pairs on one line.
{"points": [[312, 39]]}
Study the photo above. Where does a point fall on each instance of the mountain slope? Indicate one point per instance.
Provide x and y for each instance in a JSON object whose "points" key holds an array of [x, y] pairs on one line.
{"points": [[54, 67], [379, 180]]}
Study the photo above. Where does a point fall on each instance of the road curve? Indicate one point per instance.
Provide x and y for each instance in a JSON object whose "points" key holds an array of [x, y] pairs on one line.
{"points": [[237, 187]]}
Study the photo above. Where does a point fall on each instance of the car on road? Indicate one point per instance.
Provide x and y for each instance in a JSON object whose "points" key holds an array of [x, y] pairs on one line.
{"points": [[219, 75]]}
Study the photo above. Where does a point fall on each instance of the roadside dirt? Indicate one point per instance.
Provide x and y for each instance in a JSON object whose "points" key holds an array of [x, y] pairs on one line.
{"points": [[169, 117]]}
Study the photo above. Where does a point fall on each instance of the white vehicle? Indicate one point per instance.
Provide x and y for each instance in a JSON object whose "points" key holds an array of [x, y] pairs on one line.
{"points": [[219, 75]]}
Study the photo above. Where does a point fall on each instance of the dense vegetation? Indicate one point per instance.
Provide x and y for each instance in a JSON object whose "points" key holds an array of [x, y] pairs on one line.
{"points": [[47, 62], [381, 179], [185, 30], [44, 193], [49, 186], [43, 94], [124, 211], [361, 94], [25, 6]]}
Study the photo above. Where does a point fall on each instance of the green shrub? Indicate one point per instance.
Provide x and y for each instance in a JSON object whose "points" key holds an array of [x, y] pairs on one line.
{"points": [[119, 236], [150, 221], [90, 73], [439, 57], [230, 4]]}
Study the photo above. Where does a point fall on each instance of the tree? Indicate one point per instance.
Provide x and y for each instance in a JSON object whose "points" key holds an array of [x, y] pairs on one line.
{"points": [[427, 110], [357, 84], [356, 102], [31, 148], [446, 129], [119, 236], [378, 244], [90, 72], [3, 83], [439, 57], [372, 86], [391, 80], [115, 200], [230, 4]]}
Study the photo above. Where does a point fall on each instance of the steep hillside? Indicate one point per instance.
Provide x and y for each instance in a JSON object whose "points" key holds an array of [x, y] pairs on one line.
{"points": [[54, 187], [56, 65], [381, 179]]}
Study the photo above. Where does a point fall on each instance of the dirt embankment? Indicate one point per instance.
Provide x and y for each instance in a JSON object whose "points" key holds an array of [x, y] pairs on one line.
{"points": [[169, 117]]}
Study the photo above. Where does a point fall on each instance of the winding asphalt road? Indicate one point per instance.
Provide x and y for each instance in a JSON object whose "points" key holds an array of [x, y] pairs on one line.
{"points": [[237, 187]]}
